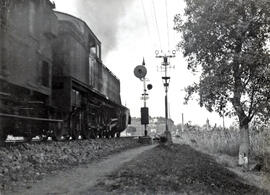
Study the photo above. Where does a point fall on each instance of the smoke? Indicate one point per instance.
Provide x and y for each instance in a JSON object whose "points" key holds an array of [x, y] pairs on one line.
{"points": [[102, 16]]}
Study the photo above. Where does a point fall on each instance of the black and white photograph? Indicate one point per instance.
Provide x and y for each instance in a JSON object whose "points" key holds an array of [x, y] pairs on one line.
{"points": [[134, 97]]}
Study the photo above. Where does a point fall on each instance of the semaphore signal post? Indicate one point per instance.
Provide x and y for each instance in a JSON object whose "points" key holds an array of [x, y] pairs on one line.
{"points": [[140, 72]]}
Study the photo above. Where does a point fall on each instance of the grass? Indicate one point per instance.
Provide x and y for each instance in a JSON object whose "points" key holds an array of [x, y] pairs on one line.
{"points": [[214, 141], [173, 169], [226, 141]]}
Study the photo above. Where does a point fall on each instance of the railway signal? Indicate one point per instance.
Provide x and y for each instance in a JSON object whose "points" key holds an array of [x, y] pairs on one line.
{"points": [[140, 72]]}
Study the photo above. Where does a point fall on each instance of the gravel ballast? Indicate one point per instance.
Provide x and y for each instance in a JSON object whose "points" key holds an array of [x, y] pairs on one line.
{"points": [[25, 163]]}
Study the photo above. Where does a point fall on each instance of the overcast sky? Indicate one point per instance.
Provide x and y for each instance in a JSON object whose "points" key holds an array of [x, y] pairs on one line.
{"points": [[130, 30]]}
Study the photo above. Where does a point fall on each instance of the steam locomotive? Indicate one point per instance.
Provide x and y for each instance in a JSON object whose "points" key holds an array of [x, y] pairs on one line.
{"points": [[52, 79]]}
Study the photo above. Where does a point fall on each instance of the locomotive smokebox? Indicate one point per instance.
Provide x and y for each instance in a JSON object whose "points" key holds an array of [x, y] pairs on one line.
{"points": [[144, 116]]}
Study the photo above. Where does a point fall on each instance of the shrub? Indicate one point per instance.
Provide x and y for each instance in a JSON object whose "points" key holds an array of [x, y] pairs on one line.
{"points": [[163, 139]]}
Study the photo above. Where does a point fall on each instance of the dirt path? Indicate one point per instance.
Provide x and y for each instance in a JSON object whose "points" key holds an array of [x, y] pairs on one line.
{"points": [[173, 169], [84, 177]]}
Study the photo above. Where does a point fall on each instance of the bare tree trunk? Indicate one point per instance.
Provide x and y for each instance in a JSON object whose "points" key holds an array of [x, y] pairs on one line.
{"points": [[244, 144]]}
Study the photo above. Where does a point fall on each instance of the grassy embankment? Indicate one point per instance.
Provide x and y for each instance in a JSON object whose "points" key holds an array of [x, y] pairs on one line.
{"points": [[226, 141]]}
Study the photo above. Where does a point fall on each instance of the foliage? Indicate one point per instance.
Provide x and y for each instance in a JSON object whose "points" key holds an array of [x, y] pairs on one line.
{"points": [[163, 139], [226, 141], [228, 41]]}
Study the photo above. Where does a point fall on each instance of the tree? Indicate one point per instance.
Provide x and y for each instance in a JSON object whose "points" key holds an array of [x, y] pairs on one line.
{"points": [[227, 42]]}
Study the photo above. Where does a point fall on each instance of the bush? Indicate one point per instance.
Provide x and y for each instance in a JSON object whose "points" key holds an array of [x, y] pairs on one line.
{"points": [[163, 139]]}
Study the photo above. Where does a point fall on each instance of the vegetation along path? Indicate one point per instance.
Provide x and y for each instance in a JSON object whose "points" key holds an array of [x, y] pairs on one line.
{"points": [[175, 169]]}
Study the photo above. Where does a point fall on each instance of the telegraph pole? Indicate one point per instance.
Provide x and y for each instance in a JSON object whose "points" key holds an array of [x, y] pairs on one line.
{"points": [[166, 80]]}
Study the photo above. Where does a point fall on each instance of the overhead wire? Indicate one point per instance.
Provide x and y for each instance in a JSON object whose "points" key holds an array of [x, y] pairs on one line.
{"points": [[145, 19], [156, 23], [167, 19], [146, 22], [155, 14]]}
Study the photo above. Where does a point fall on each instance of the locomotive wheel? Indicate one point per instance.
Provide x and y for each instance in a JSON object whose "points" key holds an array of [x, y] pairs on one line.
{"points": [[75, 128], [101, 134], [107, 131], [112, 134], [28, 133], [66, 137], [27, 138], [75, 134], [43, 137], [57, 133], [3, 137], [107, 135], [93, 134], [86, 133]]}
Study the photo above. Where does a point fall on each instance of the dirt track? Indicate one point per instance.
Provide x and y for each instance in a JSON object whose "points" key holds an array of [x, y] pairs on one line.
{"points": [[173, 170]]}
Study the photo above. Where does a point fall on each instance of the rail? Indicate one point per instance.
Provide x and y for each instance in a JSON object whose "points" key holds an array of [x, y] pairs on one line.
{"points": [[30, 118]]}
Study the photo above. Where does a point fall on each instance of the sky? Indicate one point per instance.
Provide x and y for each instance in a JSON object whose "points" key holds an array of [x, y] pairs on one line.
{"points": [[131, 30]]}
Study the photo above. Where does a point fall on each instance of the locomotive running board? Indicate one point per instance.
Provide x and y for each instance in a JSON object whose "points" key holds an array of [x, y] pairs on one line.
{"points": [[30, 118]]}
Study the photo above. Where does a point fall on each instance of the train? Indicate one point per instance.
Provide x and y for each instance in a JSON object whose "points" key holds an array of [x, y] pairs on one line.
{"points": [[53, 82]]}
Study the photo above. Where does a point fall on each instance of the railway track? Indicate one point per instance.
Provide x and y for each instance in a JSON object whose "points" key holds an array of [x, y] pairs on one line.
{"points": [[12, 141], [22, 162], [18, 141]]}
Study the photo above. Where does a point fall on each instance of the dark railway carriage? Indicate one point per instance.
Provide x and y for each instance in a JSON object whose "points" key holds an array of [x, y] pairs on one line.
{"points": [[26, 34], [53, 82]]}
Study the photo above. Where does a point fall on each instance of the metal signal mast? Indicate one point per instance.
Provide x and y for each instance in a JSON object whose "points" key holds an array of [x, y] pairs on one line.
{"points": [[140, 72], [165, 65]]}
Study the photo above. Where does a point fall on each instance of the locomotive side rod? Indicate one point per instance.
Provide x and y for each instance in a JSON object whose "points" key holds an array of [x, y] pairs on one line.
{"points": [[30, 118]]}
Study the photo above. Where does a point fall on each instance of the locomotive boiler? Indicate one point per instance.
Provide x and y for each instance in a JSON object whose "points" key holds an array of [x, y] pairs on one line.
{"points": [[52, 79]]}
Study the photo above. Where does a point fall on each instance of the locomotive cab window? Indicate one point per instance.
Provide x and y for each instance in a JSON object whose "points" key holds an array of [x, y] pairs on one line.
{"points": [[45, 74], [98, 51], [95, 51]]}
